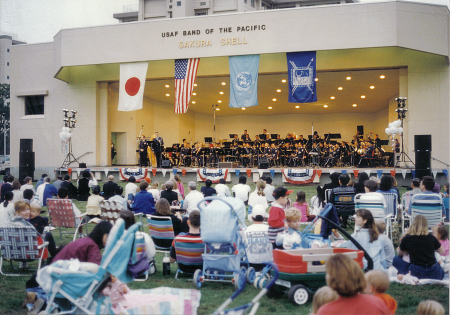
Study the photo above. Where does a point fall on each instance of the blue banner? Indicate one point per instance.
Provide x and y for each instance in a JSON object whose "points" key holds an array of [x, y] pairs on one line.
{"points": [[175, 171], [379, 173], [445, 172], [244, 80], [237, 172], [272, 173], [302, 75]]}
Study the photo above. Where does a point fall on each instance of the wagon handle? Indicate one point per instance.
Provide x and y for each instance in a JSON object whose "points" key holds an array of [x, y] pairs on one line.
{"points": [[351, 239]]}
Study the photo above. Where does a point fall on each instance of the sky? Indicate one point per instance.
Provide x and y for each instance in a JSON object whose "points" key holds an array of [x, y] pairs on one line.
{"points": [[38, 21]]}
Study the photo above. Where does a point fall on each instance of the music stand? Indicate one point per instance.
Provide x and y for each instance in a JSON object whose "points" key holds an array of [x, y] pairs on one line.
{"points": [[208, 139], [273, 136], [232, 135], [262, 136]]}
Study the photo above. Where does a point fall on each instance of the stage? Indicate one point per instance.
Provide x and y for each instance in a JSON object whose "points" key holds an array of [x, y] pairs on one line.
{"points": [[280, 175]]}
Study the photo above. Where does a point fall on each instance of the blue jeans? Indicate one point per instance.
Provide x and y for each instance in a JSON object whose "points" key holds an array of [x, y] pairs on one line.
{"points": [[431, 272]]}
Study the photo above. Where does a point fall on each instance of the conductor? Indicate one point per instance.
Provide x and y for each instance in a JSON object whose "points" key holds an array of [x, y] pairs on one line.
{"points": [[158, 143], [143, 151]]}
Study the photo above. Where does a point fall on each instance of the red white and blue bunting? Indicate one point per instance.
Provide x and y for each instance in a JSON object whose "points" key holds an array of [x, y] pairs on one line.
{"points": [[299, 176], [213, 174], [138, 173]]}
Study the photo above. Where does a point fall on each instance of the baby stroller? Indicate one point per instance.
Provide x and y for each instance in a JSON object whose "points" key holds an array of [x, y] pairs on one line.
{"points": [[221, 225], [75, 287]]}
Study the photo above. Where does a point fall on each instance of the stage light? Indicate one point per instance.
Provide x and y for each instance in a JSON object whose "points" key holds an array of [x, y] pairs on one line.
{"points": [[326, 106], [354, 105], [348, 78], [194, 93], [217, 108], [316, 79], [332, 97], [283, 81], [340, 88], [167, 85], [274, 99], [382, 76], [195, 84], [219, 101], [278, 91], [297, 106], [167, 94], [363, 96], [223, 83], [73, 111], [372, 87], [270, 107], [221, 93], [243, 108], [193, 102]]}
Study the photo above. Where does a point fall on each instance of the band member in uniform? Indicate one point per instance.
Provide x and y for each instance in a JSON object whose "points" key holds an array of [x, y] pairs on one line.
{"points": [[245, 155], [236, 140], [196, 154], [143, 151], [158, 144], [257, 141], [175, 155], [113, 152], [377, 142], [185, 155], [301, 140], [245, 137], [274, 154]]}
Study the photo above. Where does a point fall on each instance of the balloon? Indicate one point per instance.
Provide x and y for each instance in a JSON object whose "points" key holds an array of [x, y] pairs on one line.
{"points": [[400, 130], [388, 131], [390, 125]]}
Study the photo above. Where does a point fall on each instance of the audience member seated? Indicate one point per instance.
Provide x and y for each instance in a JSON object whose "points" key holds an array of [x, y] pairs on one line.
{"points": [[130, 187], [50, 191], [63, 193], [257, 230], [163, 209], [180, 185], [334, 182], [207, 190], [169, 194], [371, 188], [27, 184], [222, 189], [323, 296], [377, 284], [291, 239], [73, 191], [420, 246], [18, 194], [6, 186], [257, 197], [388, 247], [194, 234], [346, 277], [268, 191], [192, 198], [7, 209], [93, 203], [85, 184], [153, 189], [303, 207], [118, 197], [387, 186], [87, 249], [415, 185], [368, 236], [143, 200], [342, 189], [359, 186], [430, 307], [108, 187], [317, 202], [241, 190], [427, 186], [57, 183]]}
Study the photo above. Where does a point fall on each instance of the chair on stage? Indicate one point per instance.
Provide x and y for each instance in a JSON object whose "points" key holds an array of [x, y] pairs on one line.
{"points": [[428, 205], [61, 215], [21, 243]]}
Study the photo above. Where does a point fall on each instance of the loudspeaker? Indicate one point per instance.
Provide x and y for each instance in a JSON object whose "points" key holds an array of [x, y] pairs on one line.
{"points": [[422, 142], [166, 164], [25, 171], [26, 145], [82, 165], [361, 130], [26, 159], [423, 163], [263, 163]]}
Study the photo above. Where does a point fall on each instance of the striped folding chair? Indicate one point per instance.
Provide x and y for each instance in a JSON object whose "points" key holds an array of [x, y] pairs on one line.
{"points": [[392, 207], [428, 205], [375, 203], [21, 243], [406, 201], [189, 254], [61, 214], [110, 210], [161, 232]]}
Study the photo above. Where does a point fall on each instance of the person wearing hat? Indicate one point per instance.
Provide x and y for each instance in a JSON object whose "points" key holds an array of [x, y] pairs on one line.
{"points": [[276, 212], [334, 181], [258, 216], [259, 250]]}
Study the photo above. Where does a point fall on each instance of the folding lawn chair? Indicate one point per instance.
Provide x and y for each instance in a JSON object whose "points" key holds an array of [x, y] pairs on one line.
{"points": [[161, 232], [21, 243], [61, 214], [189, 254], [376, 204], [428, 205], [110, 210]]}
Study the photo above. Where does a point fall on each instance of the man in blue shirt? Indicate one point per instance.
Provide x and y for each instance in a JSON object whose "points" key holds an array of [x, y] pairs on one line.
{"points": [[427, 186]]}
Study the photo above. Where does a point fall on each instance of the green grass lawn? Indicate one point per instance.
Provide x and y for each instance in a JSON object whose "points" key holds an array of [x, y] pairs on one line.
{"points": [[12, 289]]}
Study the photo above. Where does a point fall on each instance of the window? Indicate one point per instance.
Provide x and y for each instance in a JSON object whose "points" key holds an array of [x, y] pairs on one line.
{"points": [[7, 50], [178, 3], [253, 3], [7, 77], [202, 3], [34, 105], [7, 63], [170, 6]]}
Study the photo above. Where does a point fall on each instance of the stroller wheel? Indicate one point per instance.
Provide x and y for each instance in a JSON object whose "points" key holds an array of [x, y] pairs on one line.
{"points": [[238, 281], [250, 275], [197, 278], [298, 294]]}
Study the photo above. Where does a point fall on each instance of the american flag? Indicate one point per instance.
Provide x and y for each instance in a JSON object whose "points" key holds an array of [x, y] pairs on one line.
{"points": [[185, 73]]}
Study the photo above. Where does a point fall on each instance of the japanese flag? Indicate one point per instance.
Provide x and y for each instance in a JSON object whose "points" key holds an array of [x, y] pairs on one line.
{"points": [[132, 83]]}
